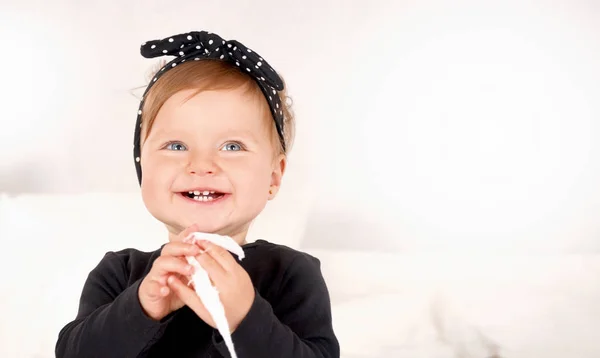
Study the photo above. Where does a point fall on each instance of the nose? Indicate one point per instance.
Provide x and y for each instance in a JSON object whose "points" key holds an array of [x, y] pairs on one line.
{"points": [[202, 164]]}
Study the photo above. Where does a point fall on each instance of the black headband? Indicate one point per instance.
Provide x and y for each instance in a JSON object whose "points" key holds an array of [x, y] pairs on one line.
{"points": [[194, 46]]}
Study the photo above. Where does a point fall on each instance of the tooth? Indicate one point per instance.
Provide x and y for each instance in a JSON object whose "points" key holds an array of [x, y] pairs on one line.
{"points": [[212, 192], [190, 192], [196, 198], [204, 198], [210, 198], [196, 193], [206, 192]]}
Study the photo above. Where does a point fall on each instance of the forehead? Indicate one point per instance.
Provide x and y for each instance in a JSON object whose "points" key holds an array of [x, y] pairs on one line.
{"points": [[226, 109]]}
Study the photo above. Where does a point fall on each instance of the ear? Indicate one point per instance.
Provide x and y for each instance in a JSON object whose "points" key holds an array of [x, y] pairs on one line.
{"points": [[279, 163]]}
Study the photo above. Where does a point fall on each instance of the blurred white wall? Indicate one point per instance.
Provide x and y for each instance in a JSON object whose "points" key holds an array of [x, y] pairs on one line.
{"points": [[432, 125]]}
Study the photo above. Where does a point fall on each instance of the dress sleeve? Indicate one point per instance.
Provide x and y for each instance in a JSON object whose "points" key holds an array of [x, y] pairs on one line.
{"points": [[110, 321], [299, 325]]}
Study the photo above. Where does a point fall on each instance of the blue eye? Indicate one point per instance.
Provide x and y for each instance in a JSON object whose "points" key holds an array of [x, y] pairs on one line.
{"points": [[176, 146], [232, 146]]}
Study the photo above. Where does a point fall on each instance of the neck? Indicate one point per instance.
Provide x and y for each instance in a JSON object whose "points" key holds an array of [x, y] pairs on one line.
{"points": [[238, 237]]}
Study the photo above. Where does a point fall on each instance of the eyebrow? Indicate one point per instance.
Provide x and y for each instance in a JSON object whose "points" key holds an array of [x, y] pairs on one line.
{"points": [[161, 133], [246, 134], [155, 134]]}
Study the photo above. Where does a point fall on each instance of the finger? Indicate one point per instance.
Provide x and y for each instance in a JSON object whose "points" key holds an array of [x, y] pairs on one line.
{"points": [[165, 265], [213, 268], [185, 279], [164, 291], [223, 257], [179, 287], [161, 279], [187, 232], [189, 298], [177, 248], [156, 290]]}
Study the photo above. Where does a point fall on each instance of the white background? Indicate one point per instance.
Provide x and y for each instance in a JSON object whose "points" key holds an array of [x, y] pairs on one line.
{"points": [[421, 125], [447, 154]]}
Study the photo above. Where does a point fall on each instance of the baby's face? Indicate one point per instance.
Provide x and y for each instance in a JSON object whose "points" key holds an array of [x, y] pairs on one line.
{"points": [[209, 160]]}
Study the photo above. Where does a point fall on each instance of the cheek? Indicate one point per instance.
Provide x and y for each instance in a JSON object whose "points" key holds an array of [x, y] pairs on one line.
{"points": [[155, 187], [254, 177], [156, 173], [150, 187]]}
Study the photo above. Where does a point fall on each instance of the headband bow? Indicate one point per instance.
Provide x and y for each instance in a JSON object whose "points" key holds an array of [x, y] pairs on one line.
{"points": [[197, 45]]}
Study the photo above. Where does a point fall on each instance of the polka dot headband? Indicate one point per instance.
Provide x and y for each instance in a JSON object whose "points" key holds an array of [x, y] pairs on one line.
{"points": [[194, 46]]}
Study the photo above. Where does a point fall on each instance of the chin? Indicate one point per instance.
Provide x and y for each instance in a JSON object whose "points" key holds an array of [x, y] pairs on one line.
{"points": [[211, 229], [226, 229], [204, 224], [212, 219]]}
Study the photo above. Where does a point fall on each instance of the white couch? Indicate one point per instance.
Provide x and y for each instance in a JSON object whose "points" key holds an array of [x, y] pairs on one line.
{"points": [[384, 304]]}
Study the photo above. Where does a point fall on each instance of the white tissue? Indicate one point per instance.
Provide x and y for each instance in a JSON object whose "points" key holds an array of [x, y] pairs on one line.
{"points": [[206, 291]]}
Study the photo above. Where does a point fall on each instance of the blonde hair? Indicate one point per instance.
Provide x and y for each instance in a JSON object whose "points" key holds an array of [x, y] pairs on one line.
{"points": [[208, 74]]}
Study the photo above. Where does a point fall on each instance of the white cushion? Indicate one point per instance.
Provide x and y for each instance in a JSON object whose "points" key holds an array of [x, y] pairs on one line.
{"points": [[440, 305]]}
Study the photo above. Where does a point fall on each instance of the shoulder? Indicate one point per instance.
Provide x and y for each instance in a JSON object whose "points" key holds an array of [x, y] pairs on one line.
{"points": [[280, 254], [282, 265], [128, 256], [287, 276], [129, 262]]}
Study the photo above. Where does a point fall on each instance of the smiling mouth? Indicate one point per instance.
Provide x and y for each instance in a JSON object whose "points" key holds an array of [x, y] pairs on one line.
{"points": [[203, 196]]}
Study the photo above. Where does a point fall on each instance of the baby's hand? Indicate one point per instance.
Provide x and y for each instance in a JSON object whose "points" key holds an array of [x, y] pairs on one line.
{"points": [[156, 298], [233, 283]]}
